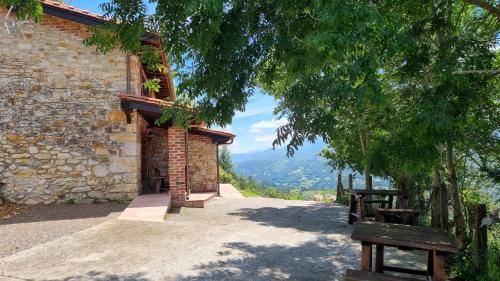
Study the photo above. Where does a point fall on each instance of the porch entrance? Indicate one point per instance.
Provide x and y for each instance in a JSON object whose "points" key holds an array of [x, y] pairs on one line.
{"points": [[154, 160]]}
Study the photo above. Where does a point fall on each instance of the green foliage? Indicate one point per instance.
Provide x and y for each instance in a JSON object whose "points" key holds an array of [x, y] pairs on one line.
{"points": [[226, 177], [182, 113], [25, 8], [225, 159], [152, 85], [127, 23], [150, 56], [251, 188], [343, 200], [464, 266]]}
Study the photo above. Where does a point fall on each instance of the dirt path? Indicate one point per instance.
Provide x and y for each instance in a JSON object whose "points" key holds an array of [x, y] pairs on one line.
{"points": [[231, 239]]}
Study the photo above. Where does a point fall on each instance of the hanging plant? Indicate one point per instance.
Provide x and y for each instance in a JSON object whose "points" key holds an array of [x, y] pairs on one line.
{"points": [[152, 86]]}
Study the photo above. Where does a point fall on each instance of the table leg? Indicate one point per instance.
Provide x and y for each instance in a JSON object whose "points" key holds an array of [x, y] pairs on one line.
{"points": [[366, 256], [351, 209], [361, 203], [439, 270], [157, 185], [379, 259], [430, 263]]}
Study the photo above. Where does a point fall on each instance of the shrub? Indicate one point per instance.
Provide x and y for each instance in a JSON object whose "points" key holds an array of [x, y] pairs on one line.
{"points": [[225, 177], [344, 199], [251, 188]]}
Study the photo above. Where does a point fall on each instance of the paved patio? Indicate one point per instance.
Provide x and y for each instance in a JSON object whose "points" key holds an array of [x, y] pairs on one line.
{"points": [[231, 239]]}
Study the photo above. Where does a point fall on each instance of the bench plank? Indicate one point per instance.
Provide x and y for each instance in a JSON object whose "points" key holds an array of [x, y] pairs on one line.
{"points": [[397, 235], [357, 275]]}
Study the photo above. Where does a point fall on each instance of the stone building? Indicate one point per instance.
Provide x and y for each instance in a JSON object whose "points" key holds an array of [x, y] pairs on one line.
{"points": [[77, 125]]}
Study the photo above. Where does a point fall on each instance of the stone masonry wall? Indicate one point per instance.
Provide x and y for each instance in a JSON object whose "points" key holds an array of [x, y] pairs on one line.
{"points": [[202, 164], [63, 136], [158, 154]]}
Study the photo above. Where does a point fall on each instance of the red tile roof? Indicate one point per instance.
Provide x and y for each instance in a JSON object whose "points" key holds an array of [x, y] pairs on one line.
{"points": [[214, 132], [67, 7]]}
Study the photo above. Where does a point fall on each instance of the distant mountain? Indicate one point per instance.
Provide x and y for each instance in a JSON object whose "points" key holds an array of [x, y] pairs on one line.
{"points": [[305, 170]]}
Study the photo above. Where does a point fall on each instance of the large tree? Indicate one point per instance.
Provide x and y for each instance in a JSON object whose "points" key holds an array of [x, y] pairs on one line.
{"points": [[393, 86], [396, 81]]}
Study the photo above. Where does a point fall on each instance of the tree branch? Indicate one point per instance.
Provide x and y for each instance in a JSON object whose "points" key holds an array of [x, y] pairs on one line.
{"points": [[487, 6], [479, 71]]}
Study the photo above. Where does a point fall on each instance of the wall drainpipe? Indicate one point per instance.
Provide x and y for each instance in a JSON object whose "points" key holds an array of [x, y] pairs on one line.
{"points": [[128, 73], [217, 156], [186, 169]]}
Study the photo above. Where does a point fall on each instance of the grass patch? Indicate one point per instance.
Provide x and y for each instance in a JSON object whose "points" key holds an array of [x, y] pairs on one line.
{"points": [[248, 187]]}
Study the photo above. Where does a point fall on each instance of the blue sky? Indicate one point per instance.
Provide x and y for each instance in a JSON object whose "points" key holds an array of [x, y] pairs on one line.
{"points": [[255, 127]]}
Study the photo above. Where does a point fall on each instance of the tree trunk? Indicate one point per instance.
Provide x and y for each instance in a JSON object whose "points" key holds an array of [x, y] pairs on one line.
{"points": [[340, 186], [403, 183], [480, 235], [458, 217], [363, 136], [439, 202]]}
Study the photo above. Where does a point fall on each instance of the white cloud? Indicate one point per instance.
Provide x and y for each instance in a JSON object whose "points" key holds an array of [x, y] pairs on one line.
{"points": [[252, 112], [237, 148], [265, 138], [260, 126]]}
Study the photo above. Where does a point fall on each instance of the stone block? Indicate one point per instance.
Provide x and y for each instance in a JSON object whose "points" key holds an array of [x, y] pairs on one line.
{"points": [[43, 156], [130, 149], [19, 155], [33, 201], [65, 169], [15, 138], [124, 138], [101, 151], [25, 174], [95, 194], [117, 116], [63, 156], [58, 123], [99, 171], [123, 165]]}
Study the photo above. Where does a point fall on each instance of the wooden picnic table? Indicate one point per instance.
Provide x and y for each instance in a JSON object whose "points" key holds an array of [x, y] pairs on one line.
{"points": [[358, 196], [436, 242]]}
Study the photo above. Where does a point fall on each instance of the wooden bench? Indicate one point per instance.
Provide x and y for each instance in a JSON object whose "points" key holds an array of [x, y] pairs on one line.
{"points": [[358, 275], [436, 242], [400, 216], [358, 198]]}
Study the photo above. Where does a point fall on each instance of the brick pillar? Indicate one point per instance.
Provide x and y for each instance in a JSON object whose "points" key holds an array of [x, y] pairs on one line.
{"points": [[177, 165]]}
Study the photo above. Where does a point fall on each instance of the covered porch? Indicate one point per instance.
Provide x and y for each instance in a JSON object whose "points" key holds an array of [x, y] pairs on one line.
{"points": [[182, 164]]}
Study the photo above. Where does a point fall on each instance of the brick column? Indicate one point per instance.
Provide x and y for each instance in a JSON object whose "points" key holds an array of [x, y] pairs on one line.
{"points": [[177, 165]]}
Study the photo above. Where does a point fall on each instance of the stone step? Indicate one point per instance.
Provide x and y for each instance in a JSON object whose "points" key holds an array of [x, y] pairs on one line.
{"points": [[148, 207], [199, 199]]}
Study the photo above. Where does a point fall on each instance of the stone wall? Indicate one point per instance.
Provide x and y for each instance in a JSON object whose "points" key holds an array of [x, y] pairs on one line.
{"points": [[202, 164], [158, 154], [63, 136]]}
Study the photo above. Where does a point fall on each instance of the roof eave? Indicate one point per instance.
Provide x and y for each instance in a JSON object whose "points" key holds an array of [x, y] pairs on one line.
{"points": [[86, 19]]}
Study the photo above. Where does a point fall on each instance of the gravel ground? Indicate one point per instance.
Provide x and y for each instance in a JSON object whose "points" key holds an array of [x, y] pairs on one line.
{"points": [[40, 224], [231, 239]]}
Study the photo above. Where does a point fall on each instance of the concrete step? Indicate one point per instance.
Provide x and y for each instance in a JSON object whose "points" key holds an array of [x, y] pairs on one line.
{"points": [[148, 207], [199, 199], [227, 190]]}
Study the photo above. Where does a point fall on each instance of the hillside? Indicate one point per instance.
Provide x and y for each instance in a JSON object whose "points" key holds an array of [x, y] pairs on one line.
{"points": [[305, 170]]}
